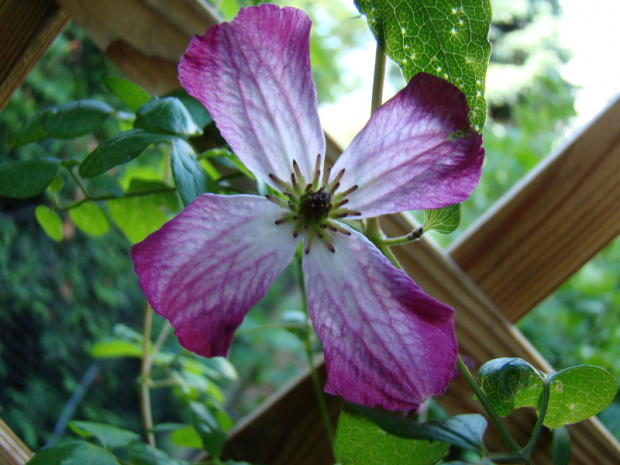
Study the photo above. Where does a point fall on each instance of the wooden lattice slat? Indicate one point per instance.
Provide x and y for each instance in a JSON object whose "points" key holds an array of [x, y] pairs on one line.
{"points": [[27, 28], [551, 224], [12, 450], [144, 38]]}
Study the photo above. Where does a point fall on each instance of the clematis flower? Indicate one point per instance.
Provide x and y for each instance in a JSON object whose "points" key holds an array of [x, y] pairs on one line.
{"points": [[386, 342]]}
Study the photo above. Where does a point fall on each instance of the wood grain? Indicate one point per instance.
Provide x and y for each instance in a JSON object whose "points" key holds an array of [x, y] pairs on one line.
{"points": [[549, 225], [27, 28], [12, 450], [144, 38]]}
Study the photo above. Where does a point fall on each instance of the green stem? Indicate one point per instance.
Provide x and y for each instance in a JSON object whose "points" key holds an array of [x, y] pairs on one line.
{"points": [[146, 413], [99, 198], [541, 418], [318, 388], [373, 230], [243, 332], [414, 235], [378, 78], [482, 398]]}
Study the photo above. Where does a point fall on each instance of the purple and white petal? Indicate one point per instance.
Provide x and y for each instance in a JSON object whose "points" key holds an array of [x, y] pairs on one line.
{"points": [[207, 267], [253, 75], [386, 341], [416, 152]]}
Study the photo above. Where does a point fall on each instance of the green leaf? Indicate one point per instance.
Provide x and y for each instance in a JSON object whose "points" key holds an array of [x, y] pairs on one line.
{"points": [[63, 121], [142, 454], [447, 38], [502, 379], [103, 185], [465, 431], [128, 92], [137, 217], [209, 428], [442, 220], [167, 115], [90, 218], [189, 177], [578, 393], [109, 436], [199, 113], [25, 179], [74, 453], [561, 446], [115, 348], [187, 437], [49, 220], [122, 148], [359, 441]]}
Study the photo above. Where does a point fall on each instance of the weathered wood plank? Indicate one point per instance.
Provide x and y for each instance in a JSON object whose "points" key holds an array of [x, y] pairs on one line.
{"points": [[549, 225], [144, 38], [27, 28], [12, 450]]}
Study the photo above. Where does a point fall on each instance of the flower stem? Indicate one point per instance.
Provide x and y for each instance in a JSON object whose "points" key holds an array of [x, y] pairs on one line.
{"points": [[414, 235], [146, 413], [482, 398], [99, 198], [541, 418], [378, 78], [318, 389]]}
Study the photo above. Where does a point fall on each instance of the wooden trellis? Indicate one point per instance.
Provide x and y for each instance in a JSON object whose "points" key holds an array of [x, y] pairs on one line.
{"points": [[533, 239]]}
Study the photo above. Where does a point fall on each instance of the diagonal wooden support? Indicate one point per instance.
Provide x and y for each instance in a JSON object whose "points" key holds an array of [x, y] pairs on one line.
{"points": [[27, 28], [550, 224]]}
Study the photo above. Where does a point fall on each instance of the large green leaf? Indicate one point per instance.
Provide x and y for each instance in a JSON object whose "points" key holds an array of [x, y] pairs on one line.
{"points": [[64, 121], [448, 38], [359, 441], [120, 149], [465, 431], [25, 179]]}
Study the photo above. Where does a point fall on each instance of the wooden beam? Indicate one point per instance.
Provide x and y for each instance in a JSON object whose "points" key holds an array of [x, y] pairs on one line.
{"points": [[27, 28], [549, 225], [144, 38], [12, 450]]}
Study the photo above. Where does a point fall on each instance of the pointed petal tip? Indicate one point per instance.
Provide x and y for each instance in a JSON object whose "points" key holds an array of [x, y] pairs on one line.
{"points": [[386, 341], [205, 269], [254, 77]]}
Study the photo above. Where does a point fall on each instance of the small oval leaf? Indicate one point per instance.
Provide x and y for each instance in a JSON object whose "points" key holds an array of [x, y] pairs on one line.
{"points": [[25, 179], [128, 92], [90, 218], [189, 177], [442, 220], [64, 121], [122, 148], [49, 220], [167, 115]]}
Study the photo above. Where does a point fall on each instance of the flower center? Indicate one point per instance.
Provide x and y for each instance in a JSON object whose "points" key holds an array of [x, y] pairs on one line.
{"points": [[314, 207]]}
